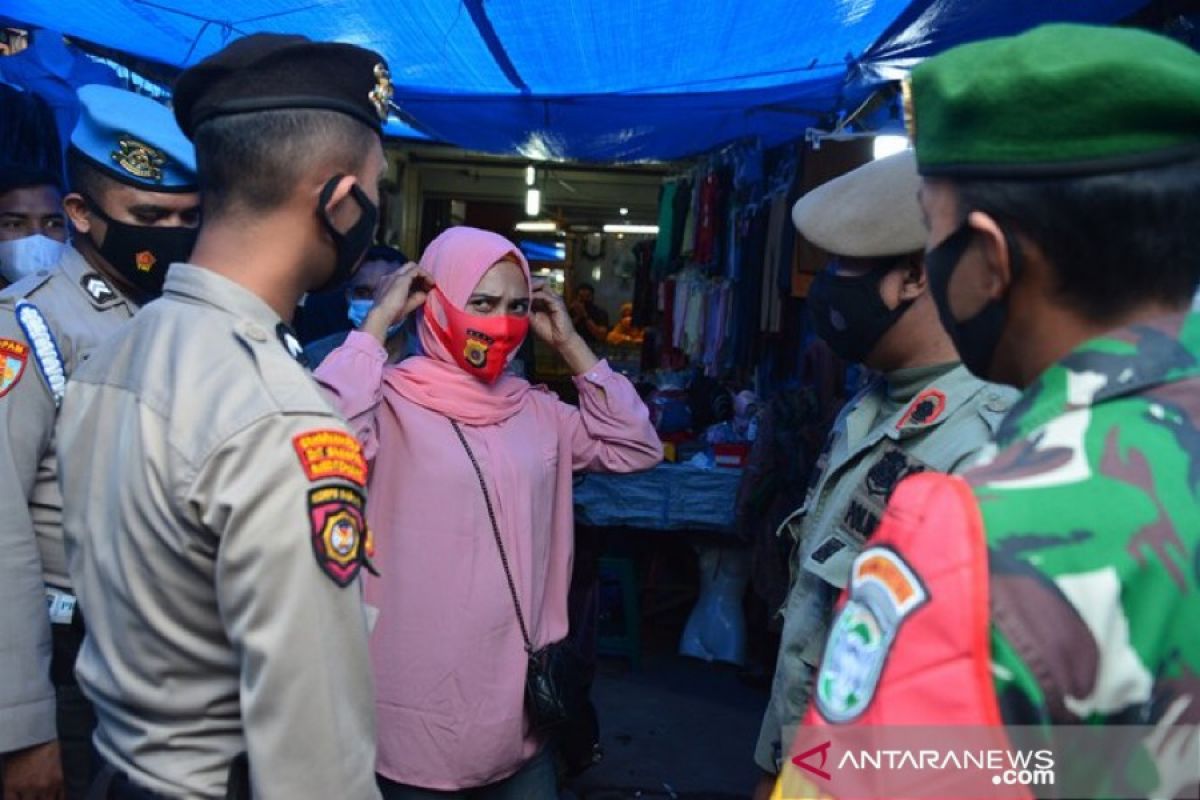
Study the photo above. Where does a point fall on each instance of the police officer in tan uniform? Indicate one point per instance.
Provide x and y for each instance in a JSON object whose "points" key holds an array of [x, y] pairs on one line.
{"points": [[925, 411], [215, 502], [133, 208]]}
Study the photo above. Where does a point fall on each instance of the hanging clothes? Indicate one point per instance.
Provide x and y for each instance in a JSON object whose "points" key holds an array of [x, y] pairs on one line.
{"points": [[643, 283], [666, 229], [688, 246], [707, 220], [771, 307]]}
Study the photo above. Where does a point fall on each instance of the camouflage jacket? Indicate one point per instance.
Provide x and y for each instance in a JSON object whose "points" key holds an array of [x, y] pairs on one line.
{"points": [[1088, 503], [1091, 503]]}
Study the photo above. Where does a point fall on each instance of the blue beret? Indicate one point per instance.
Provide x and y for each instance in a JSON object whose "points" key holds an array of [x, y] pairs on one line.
{"points": [[134, 140]]}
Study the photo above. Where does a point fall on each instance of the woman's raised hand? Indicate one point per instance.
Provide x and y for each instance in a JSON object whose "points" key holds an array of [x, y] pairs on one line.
{"points": [[548, 316], [397, 296]]}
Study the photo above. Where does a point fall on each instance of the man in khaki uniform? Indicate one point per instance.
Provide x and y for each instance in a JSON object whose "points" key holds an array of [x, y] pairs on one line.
{"points": [[133, 207], [215, 516], [925, 411]]}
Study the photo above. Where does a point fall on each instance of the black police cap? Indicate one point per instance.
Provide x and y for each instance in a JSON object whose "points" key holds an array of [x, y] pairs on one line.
{"points": [[270, 71]]}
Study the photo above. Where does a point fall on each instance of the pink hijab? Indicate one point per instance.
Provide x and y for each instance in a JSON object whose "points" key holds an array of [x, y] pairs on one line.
{"points": [[458, 259]]}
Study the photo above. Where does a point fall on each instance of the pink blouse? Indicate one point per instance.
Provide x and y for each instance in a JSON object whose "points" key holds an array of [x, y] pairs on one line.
{"points": [[447, 652]]}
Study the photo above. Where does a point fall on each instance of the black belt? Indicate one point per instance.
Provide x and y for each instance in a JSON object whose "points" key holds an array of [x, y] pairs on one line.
{"points": [[66, 640]]}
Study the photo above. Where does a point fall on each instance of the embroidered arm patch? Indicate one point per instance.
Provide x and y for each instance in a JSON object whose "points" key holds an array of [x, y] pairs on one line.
{"points": [[341, 540], [13, 357], [883, 592], [331, 454]]}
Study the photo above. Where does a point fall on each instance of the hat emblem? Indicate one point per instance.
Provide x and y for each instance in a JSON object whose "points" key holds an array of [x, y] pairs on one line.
{"points": [[381, 95], [139, 159], [910, 114]]}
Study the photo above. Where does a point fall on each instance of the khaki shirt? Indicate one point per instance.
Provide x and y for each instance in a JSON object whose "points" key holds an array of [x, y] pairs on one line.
{"points": [[941, 428], [80, 309], [214, 530]]}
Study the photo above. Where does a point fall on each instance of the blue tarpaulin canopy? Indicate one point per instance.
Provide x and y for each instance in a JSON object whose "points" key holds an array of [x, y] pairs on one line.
{"points": [[594, 80]]}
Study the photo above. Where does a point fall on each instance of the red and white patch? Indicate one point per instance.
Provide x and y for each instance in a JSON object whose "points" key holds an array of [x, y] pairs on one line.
{"points": [[330, 453], [926, 409], [14, 356], [339, 531]]}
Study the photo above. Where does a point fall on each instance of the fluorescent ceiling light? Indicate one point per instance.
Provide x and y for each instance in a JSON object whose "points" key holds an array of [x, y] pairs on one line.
{"points": [[890, 145], [533, 202], [530, 176], [650, 229], [547, 226]]}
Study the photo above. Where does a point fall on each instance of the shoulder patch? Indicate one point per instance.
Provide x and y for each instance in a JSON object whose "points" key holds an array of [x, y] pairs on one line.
{"points": [[925, 409], [97, 288], [288, 339], [883, 592], [340, 539], [330, 453], [13, 356]]}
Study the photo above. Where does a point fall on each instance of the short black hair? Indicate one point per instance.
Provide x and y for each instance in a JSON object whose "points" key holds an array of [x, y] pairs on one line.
{"points": [[1115, 241], [85, 178], [585, 286], [254, 161], [382, 252], [22, 176]]}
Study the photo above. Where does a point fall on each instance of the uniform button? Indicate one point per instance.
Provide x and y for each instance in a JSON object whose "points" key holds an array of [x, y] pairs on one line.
{"points": [[254, 332], [997, 403]]}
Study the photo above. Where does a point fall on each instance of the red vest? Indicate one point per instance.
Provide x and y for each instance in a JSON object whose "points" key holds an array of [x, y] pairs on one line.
{"points": [[910, 643]]}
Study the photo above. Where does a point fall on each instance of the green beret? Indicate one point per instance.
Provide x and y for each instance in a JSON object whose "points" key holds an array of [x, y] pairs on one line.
{"points": [[1058, 101]]}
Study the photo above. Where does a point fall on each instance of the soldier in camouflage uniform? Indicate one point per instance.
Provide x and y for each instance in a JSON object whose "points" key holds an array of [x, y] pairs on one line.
{"points": [[1065, 586], [924, 411]]}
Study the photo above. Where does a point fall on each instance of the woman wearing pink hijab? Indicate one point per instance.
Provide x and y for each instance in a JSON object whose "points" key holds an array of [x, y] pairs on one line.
{"points": [[448, 653]]}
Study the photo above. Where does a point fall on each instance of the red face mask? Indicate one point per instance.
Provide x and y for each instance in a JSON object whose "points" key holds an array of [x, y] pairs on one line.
{"points": [[481, 346]]}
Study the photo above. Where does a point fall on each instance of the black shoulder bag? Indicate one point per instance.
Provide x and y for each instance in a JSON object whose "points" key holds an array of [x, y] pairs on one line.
{"points": [[556, 683]]}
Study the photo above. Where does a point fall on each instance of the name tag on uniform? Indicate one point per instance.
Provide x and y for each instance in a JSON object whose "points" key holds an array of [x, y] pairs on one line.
{"points": [[61, 606]]}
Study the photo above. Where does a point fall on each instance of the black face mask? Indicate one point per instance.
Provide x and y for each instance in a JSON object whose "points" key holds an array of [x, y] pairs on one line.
{"points": [[141, 254], [975, 338], [352, 245], [849, 314]]}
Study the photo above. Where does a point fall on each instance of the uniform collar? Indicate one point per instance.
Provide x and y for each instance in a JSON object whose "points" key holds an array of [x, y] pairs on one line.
{"points": [[1126, 361], [205, 286], [929, 408], [99, 290], [259, 321]]}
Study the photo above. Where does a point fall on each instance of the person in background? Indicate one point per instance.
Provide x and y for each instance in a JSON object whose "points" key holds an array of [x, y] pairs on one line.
{"points": [[925, 411], [590, 320], [1055, 583], [624, 331], [214, 500], [471, 509], [33, 227], [131, 217], [380, 262]]}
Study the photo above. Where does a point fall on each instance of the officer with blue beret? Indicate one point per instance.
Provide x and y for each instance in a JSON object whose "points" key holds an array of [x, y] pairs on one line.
{"points": [[133, 208]]}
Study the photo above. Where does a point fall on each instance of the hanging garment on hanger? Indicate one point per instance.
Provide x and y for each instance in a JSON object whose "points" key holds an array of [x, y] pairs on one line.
{"points": [[707, 222]]}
